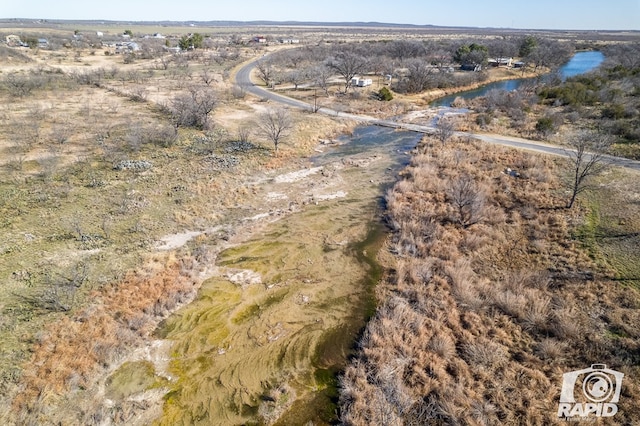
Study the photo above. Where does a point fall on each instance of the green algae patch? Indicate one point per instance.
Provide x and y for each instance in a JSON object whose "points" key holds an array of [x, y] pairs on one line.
{"points": [[265, 339], [239, 339], [132, 378]]}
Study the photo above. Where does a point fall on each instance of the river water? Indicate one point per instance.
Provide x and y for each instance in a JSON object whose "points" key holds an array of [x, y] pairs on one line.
{"points": [[580, 63]]}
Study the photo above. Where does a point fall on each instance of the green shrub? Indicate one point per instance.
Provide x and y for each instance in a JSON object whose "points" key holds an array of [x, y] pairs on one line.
{"points": [[385, 94], [545, 125], [613, 112]]}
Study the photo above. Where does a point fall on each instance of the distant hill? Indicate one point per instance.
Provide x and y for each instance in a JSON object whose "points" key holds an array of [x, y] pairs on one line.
{"points": [[215, 23]]}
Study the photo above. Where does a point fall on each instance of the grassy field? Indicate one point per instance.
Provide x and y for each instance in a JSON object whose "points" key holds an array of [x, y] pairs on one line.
{"points": [[611, 224]]}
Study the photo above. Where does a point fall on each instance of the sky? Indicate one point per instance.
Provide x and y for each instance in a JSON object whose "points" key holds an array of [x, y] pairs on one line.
{"points": [[526, 14]]}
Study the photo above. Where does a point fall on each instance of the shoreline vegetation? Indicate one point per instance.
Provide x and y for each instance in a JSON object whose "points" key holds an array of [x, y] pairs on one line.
{"points": [[489, 299], [115, 213]]}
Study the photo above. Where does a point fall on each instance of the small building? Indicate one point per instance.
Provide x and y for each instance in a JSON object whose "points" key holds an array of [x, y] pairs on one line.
{"points": [[43, 43], [127, 47], [500, 62], [471, 67], [361, 82], [260, 39], [289, 41]]}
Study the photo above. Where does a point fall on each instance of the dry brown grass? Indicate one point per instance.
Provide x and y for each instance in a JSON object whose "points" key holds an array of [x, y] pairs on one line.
{"points": [[72, 350], [478, 321]]}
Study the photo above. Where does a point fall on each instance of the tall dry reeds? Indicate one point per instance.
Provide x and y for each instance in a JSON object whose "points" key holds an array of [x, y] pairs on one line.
{"points": [[484, 311]]}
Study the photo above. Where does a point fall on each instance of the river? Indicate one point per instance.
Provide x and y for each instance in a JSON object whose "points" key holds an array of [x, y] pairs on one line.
{"points": [[580, 63], [267, 334]]}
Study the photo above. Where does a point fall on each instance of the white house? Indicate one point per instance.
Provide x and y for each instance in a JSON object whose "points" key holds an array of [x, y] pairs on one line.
{"points": [[500, 62], [361, 82], [127, 47]]}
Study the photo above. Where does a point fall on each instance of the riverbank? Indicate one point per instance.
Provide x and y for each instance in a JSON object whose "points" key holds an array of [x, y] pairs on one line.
{"points": [[492, 299]]}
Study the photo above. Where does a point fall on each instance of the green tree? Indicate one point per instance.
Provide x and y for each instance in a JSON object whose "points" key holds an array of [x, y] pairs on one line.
{"points": [[197, 40], [191, 41], [128, 32], [527, 46], [471, 54], [184, 43]]}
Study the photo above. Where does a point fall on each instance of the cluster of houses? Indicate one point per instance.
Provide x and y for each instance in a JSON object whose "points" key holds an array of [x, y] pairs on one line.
{"points": [[263, 39]]}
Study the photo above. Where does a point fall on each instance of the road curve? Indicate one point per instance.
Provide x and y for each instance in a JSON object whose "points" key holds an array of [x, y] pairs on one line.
{"points": [[243, 79]]}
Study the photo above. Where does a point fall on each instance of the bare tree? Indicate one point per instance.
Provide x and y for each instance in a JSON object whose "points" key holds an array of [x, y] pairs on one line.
{"points": [[296, 77], [321, 75], [192, 109], [468, 201], [207, 76], [405, 49], [502, 48], [440, 57], [238, 91], [348, 64], [265, 72], [294, 58], [275, 125], [548, 53], [21, 85], [587, 160], [627, 54], [61, 133], [445, 129], [419, 77], [57, 289], [244, 133]]}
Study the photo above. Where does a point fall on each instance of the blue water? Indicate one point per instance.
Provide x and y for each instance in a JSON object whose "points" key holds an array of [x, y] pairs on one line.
{"points": [[580, 63], [396, 143]]}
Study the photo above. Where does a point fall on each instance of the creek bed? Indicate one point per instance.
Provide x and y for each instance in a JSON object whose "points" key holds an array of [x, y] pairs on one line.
{"points": [[267, 335]]}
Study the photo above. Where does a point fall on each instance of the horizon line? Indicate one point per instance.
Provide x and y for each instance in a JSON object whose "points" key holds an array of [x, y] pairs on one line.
{"points": [[302, 23]]}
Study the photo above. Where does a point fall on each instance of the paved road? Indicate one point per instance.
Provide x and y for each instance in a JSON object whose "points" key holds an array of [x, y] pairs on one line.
{"points": [[243, 78]]}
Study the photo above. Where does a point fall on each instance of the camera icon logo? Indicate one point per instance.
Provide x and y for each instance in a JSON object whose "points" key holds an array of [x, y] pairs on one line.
{"points": [[590, 392]]}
